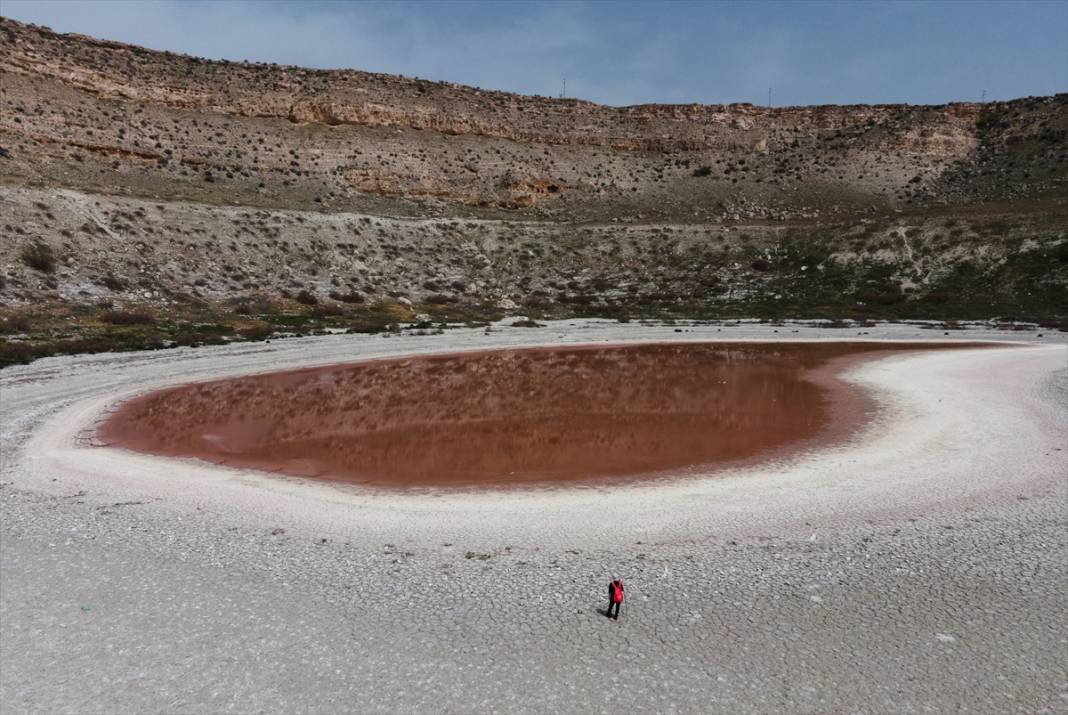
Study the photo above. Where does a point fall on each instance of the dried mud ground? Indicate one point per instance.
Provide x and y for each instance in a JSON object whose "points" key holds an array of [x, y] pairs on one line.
{"points": [[920, 567]]}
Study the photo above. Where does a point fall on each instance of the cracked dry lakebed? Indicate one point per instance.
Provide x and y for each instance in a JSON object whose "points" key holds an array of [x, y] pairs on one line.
{"points": [[516, 417]]}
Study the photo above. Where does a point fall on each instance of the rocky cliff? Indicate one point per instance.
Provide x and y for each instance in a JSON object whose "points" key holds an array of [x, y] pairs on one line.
{"points": [[134, 176]]}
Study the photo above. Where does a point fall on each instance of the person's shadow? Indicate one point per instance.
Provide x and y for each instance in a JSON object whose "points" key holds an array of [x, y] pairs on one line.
{"points": [[604, 612]]}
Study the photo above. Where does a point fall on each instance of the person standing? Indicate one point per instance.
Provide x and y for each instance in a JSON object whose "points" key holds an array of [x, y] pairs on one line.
{"points": [[615, 597]]}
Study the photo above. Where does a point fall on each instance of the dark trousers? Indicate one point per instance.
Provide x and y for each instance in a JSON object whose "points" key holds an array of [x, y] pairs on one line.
{"points": [[611, 606]]}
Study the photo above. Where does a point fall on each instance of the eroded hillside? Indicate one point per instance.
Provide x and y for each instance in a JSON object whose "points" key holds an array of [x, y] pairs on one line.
{"points": [[189, 189]]}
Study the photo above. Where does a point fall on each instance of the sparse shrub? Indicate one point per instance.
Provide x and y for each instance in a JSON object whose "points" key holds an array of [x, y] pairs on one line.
{"points": [[112, 283], [537, 301], [997, 227], [14, 324], [703, 171], [324, 310], [350, 297], [527, 323], [39, 256], [251, 305], [128, 317], [258, 332], [16, 353], [306, 297], [937, 296]]}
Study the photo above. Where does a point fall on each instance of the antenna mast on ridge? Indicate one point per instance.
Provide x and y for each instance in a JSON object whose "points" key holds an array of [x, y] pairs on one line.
{"points": [[563, 87], [769, 97]]}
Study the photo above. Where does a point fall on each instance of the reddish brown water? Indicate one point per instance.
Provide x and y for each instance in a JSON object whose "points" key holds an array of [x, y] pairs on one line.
{"points": [[512, 416]]}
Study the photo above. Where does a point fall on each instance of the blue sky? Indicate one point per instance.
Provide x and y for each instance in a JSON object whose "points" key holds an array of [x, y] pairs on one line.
{"points": [[624, 52]]}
